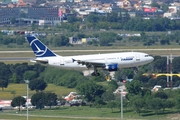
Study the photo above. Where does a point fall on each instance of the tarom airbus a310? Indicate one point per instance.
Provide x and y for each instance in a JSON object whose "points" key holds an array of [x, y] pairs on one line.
{"points": [[108, 61]]}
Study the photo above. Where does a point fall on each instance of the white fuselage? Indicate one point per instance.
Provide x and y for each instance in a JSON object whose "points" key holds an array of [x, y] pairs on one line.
{"points": [[124, 60]]}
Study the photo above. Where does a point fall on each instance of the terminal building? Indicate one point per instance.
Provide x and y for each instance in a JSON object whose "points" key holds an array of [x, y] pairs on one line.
{"points": [[30, 15]]}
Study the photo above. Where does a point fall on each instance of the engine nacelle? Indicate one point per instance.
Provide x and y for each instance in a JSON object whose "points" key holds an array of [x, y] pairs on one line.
{"points": [[112, 67]]}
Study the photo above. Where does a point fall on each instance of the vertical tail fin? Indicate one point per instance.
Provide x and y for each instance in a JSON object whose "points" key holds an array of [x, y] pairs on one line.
{"points": [[39, 49]]}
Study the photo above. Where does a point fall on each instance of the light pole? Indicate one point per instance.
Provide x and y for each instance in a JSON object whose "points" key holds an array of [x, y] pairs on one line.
{"points": [[121, 90], [27, 82]]}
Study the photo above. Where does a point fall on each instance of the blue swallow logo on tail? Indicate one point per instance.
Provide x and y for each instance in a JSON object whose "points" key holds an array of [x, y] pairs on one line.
{"points": [[39, 49]]}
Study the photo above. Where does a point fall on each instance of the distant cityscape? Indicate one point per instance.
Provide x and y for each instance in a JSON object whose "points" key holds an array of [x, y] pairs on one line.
{"points": [[22, 12]]}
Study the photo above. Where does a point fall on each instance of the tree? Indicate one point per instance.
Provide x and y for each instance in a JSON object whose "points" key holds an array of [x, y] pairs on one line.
{"points": [[155, 104], [37, 84], [154, 4], [161, 95], [98, 102], [19, 69], [4, 71], [14, 78], [18, 101], [142, 78], [99, 78], [60, 41], [19, 40], [123, 74], [160, 64], [170, 104], [162, 83], [92, 18], [177, 102], [137, 103], [91, 90], [112, 17], [30, 75], [118, 102], [50, 99], [112, 85], [33, 26], [38, 100], [3, 84], [167, 104], [72, 19], [81, 35], [105, 38], [104, 41], [165, 7], [176, 64], [111, 105], [134, 87], [108, 96], [41, 99]]}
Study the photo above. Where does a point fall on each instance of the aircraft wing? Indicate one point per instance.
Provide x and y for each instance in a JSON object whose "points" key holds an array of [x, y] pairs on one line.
{"points": [[43, 61], [89, 63]]}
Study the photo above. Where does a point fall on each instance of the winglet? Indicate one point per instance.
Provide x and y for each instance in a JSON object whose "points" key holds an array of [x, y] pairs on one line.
{"points": [[39, 49], [73, 60]]}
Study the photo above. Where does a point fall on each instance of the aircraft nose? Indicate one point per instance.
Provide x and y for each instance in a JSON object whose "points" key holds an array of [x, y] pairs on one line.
{"points": [[151, 58]]}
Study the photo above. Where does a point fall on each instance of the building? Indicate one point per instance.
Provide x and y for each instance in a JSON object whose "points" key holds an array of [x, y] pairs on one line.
{"points": [[7, 14], [29, 14]]}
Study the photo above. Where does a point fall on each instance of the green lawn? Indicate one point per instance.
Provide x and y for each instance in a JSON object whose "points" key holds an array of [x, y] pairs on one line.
{"points": [[81, 113], [71, 113], [20, 89]]}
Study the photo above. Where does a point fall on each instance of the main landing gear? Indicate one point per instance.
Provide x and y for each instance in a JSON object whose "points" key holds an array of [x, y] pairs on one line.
{"points": [[95, 73]]}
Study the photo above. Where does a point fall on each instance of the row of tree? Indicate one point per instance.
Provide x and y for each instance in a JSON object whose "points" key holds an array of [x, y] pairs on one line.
{"points": [[39, 100], [143, 99], [104, 39], [17, 73], [121, 21], [138, 99]]}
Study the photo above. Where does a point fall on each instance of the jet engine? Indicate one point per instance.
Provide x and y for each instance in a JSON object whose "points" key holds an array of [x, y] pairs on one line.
{"points": [[111, 67]]}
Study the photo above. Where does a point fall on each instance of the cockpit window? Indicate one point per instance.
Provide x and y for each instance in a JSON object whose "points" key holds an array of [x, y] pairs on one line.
{"points": [[146, 55]]}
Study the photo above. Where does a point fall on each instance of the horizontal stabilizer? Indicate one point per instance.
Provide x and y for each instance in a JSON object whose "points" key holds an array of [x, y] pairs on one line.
{"points": [[39, 61]]}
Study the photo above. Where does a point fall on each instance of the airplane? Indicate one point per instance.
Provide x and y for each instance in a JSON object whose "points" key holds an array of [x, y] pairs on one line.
{"points": [[108, 61]]}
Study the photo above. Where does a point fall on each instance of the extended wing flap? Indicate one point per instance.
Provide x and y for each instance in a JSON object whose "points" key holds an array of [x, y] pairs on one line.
{"points": [[89, 63]]}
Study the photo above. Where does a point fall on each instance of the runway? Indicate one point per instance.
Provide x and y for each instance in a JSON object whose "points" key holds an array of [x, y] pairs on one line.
{"points": [[77, 51], [100, 50], [15, 59]]}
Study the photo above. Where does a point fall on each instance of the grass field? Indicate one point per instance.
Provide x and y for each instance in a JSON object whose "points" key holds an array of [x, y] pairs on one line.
{"points": [[70, 113], [20, 89], [81, 113]]}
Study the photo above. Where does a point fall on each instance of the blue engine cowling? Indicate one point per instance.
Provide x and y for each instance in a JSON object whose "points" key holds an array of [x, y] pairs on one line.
{"points": [[112, 67]]}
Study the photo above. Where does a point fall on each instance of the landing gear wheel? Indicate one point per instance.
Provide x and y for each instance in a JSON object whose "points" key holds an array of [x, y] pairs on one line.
{"points": [[135, 70], [95, 74]]}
